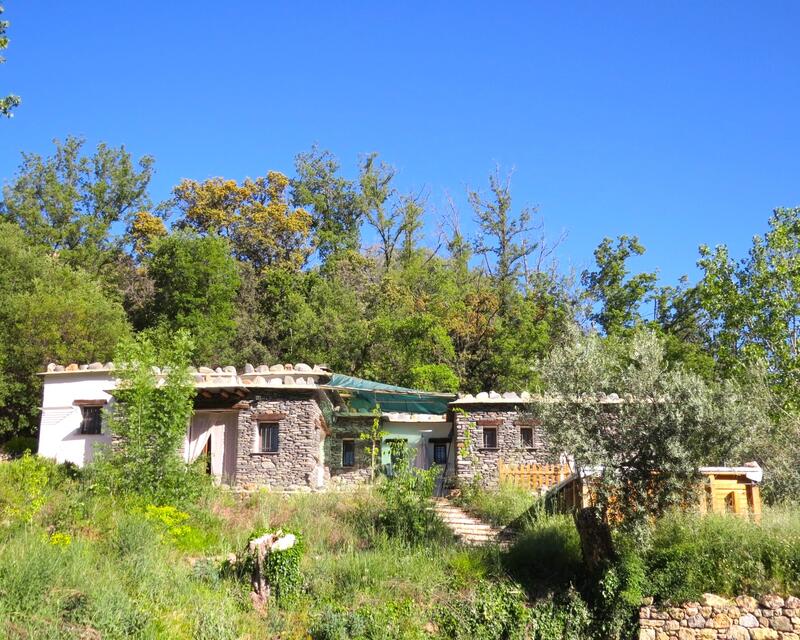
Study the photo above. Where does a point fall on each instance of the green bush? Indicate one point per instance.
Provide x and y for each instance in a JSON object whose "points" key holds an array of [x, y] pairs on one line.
{"points": [[406, 513], [491, 611], [547, 557], [562, 617], [18, 445]]}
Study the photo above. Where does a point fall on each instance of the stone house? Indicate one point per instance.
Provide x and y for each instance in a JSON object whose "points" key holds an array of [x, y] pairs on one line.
{"points": [[299, 427]]}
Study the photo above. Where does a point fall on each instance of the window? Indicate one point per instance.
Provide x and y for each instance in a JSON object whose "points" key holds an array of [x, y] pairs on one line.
{"points": [[439, 453], [526, 437], [348, 453], [490, 437], [268, 437], [92, 420]]}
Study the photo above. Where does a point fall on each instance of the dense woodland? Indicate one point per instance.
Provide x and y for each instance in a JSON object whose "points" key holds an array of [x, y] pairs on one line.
{"points": [[277, 268]]}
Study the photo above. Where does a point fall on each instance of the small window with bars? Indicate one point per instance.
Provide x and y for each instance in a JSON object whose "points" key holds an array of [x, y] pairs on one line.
{"points": [[91, 420], [268, 437], [490, 437], [439, 453], [348, 453], [526, 437]]}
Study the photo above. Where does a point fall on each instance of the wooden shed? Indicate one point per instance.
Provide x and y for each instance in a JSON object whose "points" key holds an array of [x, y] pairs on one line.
{"points": [[723, 490]]}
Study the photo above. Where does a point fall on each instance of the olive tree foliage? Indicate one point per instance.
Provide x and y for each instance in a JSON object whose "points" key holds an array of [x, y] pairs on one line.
{"points": [[9, 102], [150, 416], [644, 449]]}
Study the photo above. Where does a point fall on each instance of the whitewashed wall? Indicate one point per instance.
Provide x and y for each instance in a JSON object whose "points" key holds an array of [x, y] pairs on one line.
{"points": [[59, 432]]}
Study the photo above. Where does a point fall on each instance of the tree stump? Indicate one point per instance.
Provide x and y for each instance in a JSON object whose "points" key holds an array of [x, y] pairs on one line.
{"points": [[259, 550]]}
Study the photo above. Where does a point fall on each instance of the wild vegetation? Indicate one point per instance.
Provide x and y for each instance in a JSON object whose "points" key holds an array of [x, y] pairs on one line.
{"points": [[313, 265]]}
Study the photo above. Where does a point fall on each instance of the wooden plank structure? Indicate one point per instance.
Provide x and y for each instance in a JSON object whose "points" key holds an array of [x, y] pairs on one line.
{"points": [[723, 490], [535, 477]]}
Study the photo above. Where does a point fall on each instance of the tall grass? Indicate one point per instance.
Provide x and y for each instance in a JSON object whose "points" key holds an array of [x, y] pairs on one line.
{"points": [[506, 506]]}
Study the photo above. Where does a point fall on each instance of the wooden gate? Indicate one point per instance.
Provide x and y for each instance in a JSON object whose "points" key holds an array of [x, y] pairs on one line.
{"points": [[534, 477]]}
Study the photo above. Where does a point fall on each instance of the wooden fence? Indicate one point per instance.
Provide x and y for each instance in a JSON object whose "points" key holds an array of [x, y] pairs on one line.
{"points": [[535, 477]]}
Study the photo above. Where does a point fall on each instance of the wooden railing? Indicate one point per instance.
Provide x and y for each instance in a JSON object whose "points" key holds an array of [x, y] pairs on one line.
{"points": [[535, 477]]}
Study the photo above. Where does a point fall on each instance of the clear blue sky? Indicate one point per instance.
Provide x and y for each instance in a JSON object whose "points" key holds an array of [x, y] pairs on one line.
{"points": [[677, 122]]}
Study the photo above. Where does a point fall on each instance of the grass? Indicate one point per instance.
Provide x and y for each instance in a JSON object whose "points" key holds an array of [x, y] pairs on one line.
{"points": [[77, 563], [506, 506]]}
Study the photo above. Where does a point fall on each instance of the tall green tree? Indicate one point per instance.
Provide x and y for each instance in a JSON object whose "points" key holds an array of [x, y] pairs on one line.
{"points": [[49, 311], [9, 102], [505, 240], [196, 281], [616, 294], [70, 202], [754, 305], [335, 204]]}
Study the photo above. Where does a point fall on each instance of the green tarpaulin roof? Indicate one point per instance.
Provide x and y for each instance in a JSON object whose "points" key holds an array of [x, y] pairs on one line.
{"points": [[366, 394]]}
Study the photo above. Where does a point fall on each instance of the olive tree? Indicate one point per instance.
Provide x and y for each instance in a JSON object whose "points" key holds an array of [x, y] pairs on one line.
{"points": [[639, 425]]}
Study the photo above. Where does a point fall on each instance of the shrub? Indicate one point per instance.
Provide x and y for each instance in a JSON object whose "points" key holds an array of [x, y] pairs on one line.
{"points": [[407, 513], [547, 557], [25, 481], [563, 617], [18, 445], [493, 610]]}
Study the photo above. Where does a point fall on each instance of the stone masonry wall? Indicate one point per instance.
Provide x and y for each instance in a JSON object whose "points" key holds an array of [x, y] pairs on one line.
{"points": [[298, 462], [348, 428], [715, 618], [508, 419]]}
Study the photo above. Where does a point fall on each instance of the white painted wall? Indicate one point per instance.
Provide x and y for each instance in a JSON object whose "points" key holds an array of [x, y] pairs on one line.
{"points": [[59, 430]]}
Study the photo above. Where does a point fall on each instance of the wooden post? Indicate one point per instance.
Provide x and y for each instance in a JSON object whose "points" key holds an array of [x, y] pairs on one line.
{"points": [[755, 502]]}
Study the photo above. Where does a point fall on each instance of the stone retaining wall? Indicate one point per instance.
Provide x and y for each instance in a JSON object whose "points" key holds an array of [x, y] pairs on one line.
{"points": [[770, 617]]}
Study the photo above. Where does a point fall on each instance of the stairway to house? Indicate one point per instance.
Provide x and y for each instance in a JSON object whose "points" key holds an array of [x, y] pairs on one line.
{"points": [[467, 528]]}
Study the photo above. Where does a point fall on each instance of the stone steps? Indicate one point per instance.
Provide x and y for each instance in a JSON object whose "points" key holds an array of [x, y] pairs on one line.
{"points": [[466, 528]]}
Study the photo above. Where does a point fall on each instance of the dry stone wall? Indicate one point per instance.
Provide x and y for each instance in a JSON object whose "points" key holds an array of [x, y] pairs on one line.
{"points": [[298, 464], [484, 462], [771, 617]]}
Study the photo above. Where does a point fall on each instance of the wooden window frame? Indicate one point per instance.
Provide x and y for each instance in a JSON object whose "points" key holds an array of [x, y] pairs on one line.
{"points": [[486, 431], [351, 443], [522, 432], [268, 427], [91, 425]]}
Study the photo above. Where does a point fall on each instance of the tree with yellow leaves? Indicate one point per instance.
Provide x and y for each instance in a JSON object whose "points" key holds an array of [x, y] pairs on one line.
{"points": [[254, 215]]}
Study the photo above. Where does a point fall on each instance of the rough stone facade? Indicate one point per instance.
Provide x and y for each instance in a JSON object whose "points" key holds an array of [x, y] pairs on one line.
{"points": [[770, 617], [348, 428], [298, 463], [508, 419]]}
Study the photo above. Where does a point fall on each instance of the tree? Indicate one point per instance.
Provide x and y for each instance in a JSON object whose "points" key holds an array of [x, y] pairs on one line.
{"points": [[255, 216], [335, 205], [393, 217], [69, 202], [8, 102], [150, 416], [196, 281], [753, 306], [643, 448], [618, 296], [504, 235], [49, 312]]}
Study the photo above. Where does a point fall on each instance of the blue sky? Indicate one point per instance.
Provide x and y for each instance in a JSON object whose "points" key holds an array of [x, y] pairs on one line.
{"points": [[677, 122]]}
